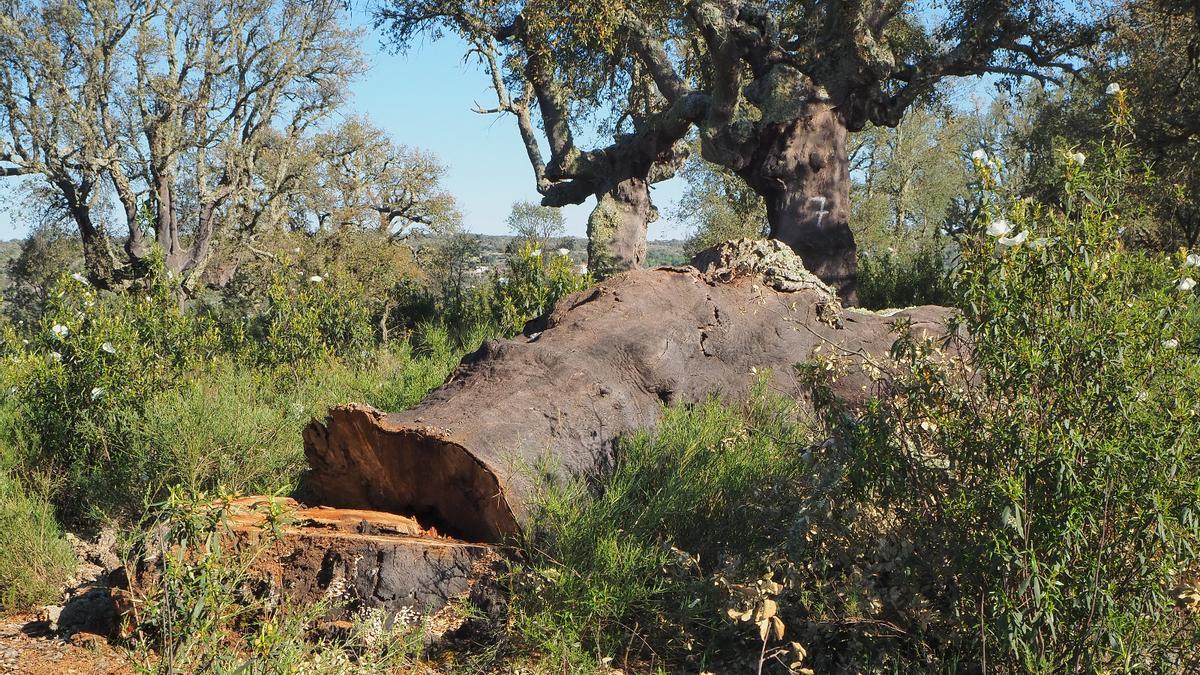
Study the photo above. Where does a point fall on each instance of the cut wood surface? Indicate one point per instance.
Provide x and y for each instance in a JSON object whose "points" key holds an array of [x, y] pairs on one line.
{"points": [[603, 363]]}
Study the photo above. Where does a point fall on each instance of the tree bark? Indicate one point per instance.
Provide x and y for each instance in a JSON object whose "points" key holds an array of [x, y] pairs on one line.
{"points": [[98, 259], [553, 401], [617, 228], [802, 170]]}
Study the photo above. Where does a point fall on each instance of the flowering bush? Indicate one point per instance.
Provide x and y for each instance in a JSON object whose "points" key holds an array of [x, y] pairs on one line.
{"points": [[534, 281], [95, 357], [1038, 500]]}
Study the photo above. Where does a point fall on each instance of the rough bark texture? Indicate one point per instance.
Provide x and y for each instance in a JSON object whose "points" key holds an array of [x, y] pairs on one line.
{"points": [[617, 228], [602, 364], [802, 170]]}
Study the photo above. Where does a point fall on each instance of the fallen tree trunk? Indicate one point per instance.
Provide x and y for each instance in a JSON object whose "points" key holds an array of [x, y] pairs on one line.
{"points": [[602, 364]]}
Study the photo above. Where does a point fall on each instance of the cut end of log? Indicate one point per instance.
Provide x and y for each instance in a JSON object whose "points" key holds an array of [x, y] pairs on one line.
{"points": [[360, 461]]}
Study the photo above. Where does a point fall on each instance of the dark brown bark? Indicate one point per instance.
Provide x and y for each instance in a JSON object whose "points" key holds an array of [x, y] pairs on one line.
{"points": [[602, 364], [617, 228], [802, 170], [98, 259]]}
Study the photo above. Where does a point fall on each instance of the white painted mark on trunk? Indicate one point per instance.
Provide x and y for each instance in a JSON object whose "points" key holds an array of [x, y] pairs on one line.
{"points": [[821, 212]]}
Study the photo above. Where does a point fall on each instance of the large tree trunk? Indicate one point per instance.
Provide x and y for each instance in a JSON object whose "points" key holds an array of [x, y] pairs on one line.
{"points": [[602, 364], [98, 260], [802, 170], [617, 228]]}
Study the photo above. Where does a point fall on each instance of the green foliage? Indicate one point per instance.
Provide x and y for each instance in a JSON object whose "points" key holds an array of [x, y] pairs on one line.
{"points": [[34, 558], [41, 259], [1039, 505], [535, 224], [908, 181], [120, 396], [534, 281], [644, 569], [717, 206], [891, 279], [307, 319], [94, 358], [202, 614]]}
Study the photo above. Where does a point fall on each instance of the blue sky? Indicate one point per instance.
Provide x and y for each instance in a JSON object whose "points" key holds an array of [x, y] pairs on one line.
{"points": [[424, 99]]}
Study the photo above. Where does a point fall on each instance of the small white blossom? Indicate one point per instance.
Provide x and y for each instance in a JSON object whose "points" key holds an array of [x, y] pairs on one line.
{"points": [[296, 250], [108, 348], [81, 279], [502, 281], [97, 392], [564, 251], [1079, 158], [979, 156], [1186, 284], [999, 228], [1013, 241], [316, 279], [1193, 260], [537, 253], [60, 331], [1112, 89], [55, 356], [1170, 344]]}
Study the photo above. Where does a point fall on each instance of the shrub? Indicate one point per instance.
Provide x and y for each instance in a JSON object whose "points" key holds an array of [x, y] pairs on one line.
{"points": [[534, 281], [1037, 508], [120, 396], [889, 279], [95, 358]]}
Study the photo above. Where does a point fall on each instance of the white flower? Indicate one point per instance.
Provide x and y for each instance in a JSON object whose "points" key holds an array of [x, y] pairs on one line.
{"points": [[1113, 89], [55, 356], [60, 331], [502, 281], [81, 279], [1186, 284], [979, 156], [1013, 241], [97, 392], [108, 348], [1193, 260], [1170, 344], [316, 279], [537, 253], [564, 251], [999, 228], [1079, 158], [296, 250]]}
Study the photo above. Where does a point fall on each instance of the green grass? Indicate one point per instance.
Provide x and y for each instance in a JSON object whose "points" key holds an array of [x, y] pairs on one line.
{"points": [[34, 557], [635, 573]]}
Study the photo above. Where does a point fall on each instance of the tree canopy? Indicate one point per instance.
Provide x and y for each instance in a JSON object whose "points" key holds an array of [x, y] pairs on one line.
{"points": [[771, 87]]}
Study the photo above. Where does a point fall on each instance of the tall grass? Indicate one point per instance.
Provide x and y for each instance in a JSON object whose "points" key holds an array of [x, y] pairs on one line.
{"points": [[640, 571], [34, 557]]}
